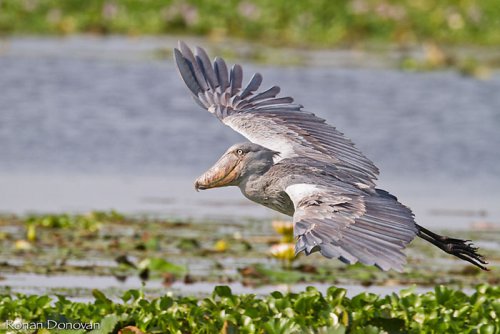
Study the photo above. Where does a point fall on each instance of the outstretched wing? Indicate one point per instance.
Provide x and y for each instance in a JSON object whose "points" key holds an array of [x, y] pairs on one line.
{"points": [[265, 119], [340, 222]]}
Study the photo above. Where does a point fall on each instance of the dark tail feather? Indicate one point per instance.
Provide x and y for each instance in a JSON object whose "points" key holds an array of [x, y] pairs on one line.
{"points": [[462, 249]]}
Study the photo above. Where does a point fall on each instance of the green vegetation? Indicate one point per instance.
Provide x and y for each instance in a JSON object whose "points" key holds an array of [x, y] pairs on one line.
{"points": [[322, 23], [169, 251], [442, 311], [90, 222]]}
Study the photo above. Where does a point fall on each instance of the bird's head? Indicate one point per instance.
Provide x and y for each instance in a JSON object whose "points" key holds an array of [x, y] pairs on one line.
{"points": [[238, 163]]}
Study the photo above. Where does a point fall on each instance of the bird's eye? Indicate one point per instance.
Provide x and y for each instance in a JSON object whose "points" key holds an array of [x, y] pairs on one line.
{"points": [[239, 152]]}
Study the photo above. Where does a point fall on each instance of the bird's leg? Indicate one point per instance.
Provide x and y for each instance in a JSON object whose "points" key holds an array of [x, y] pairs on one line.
{"points": [[462, 249]]}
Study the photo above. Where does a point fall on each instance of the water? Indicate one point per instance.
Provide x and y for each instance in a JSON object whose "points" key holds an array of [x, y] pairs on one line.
{"points": [[101, 123], [81, 286]]}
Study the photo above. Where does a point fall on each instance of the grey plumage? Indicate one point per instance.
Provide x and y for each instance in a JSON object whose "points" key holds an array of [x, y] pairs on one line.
{"points": [[335, 217], [236, 79], [205, 65], [299, 165], [252, 86]]}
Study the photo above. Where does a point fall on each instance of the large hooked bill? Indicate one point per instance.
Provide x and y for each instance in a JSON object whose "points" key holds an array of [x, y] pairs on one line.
{"points": [[221, 174]]}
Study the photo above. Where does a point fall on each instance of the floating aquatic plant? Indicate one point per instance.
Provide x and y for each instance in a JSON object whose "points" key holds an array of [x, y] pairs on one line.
{"points": [[443, 310]]}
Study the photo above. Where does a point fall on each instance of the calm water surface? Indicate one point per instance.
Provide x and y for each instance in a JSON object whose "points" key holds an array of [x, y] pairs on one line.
{"points": [[101, 123]]}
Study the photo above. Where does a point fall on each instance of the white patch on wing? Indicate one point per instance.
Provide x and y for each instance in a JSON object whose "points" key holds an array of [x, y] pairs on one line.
{"points": [[277, 158], [301, 190], [263, 137]]}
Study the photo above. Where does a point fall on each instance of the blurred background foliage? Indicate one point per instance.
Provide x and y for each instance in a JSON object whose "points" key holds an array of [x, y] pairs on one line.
{"points": [[317, 23]]}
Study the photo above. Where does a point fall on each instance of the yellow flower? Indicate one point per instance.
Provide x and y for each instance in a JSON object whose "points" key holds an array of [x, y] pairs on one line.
{"points": [[283, 251], [221, 246], [285, 228]]}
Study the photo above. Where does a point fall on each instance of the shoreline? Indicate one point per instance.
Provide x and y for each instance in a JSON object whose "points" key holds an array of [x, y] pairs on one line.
{"points": [[473, 60], [438, 203]]}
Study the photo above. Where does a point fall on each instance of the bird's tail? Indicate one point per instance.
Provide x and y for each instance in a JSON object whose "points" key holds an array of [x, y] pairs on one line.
{"points": [[463, 249]]}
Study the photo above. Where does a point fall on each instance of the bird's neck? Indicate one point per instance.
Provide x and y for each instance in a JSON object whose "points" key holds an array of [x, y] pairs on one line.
{"points": [[253, 187], [266, 190], [254, 181]]}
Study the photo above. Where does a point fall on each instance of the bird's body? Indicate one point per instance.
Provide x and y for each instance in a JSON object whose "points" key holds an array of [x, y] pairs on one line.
{"points": [[269, 189], [321, 194], [299, 165]]}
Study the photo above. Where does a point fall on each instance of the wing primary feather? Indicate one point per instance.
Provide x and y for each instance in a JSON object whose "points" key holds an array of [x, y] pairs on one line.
{"points": [[271, 92], [198, 74], [200, 101], [206, 67], [382, 231], [277, 101], [371, 254], [284, 108], [236, 79], [252, 86], [367, 239], [186, 72], [243, 105], [221, 72], [210, 98]]}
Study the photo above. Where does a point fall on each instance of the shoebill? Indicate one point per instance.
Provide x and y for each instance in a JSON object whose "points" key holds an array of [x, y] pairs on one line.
{"points": [[299, 165]]}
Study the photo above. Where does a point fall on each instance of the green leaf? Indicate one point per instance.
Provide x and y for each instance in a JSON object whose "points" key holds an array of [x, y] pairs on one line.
{"points": [[487, 329], [107, 325], [101, 297], [222, 291], [162, 266], [166, 302]]}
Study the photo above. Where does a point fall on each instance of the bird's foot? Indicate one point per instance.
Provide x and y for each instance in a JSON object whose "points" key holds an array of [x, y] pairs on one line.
{"points": [[463, 249]]}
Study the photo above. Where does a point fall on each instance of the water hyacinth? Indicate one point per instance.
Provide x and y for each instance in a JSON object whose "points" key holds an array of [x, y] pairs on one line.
{"points": [[443, 310]]}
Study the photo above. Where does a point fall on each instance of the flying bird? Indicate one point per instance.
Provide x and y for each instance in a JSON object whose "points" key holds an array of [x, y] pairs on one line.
{"points": [[299, 165]]}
